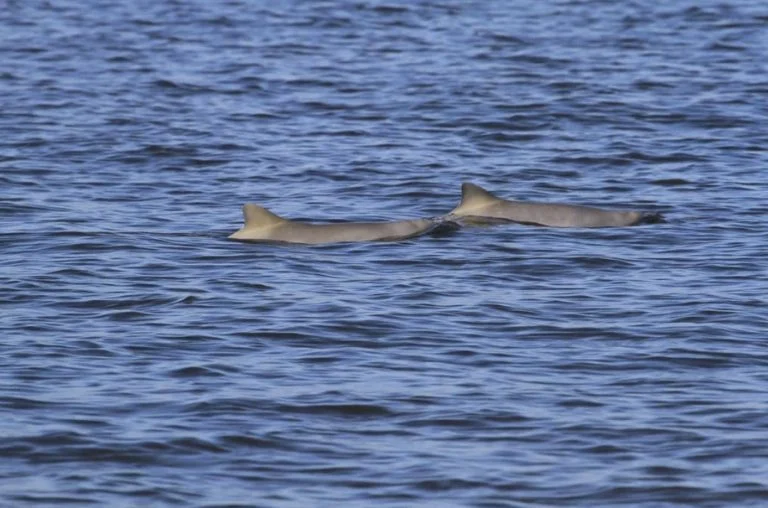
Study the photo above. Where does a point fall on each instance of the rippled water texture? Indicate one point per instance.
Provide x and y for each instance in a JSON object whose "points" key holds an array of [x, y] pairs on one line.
{"points": [[147, 360]]}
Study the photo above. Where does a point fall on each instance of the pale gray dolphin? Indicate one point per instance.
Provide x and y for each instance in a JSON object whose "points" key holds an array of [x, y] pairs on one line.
{"points": [[479, 205], [263, 225]]}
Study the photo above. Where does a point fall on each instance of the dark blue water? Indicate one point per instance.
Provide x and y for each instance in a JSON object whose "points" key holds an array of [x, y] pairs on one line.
{"points": [[145, 360]]}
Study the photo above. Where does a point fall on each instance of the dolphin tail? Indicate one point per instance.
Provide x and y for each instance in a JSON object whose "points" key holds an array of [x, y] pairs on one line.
{"points": [[651, 218], [443, 225]]}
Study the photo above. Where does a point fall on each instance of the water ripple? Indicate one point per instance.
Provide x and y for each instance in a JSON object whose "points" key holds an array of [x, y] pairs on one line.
{"points": [[148, 360]]}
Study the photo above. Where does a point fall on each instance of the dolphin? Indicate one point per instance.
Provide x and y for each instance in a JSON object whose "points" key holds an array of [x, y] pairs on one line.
{"points": [[263, 225], [479, 205]]}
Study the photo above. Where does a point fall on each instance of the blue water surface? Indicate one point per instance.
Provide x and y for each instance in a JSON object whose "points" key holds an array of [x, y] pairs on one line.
{"points": [[146, 360]]}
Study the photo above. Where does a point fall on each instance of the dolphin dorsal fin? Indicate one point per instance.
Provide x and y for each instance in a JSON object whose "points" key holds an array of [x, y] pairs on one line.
{"points": [[258, 217], [473, 195]]}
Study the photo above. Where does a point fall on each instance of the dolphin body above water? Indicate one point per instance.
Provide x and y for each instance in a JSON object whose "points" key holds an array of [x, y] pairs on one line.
{"points": [[263, 225], [479, 205]]}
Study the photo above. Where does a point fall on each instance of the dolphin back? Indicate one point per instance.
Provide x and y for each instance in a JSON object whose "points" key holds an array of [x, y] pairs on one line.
{"points": [[479, 206]]}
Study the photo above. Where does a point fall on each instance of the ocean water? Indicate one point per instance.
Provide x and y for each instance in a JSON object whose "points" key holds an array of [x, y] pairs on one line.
{"points": [[146, 360]]}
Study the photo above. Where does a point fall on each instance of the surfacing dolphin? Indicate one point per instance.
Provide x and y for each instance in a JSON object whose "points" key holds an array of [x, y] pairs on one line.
{"points": [[263, 225], [479, 205]]}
